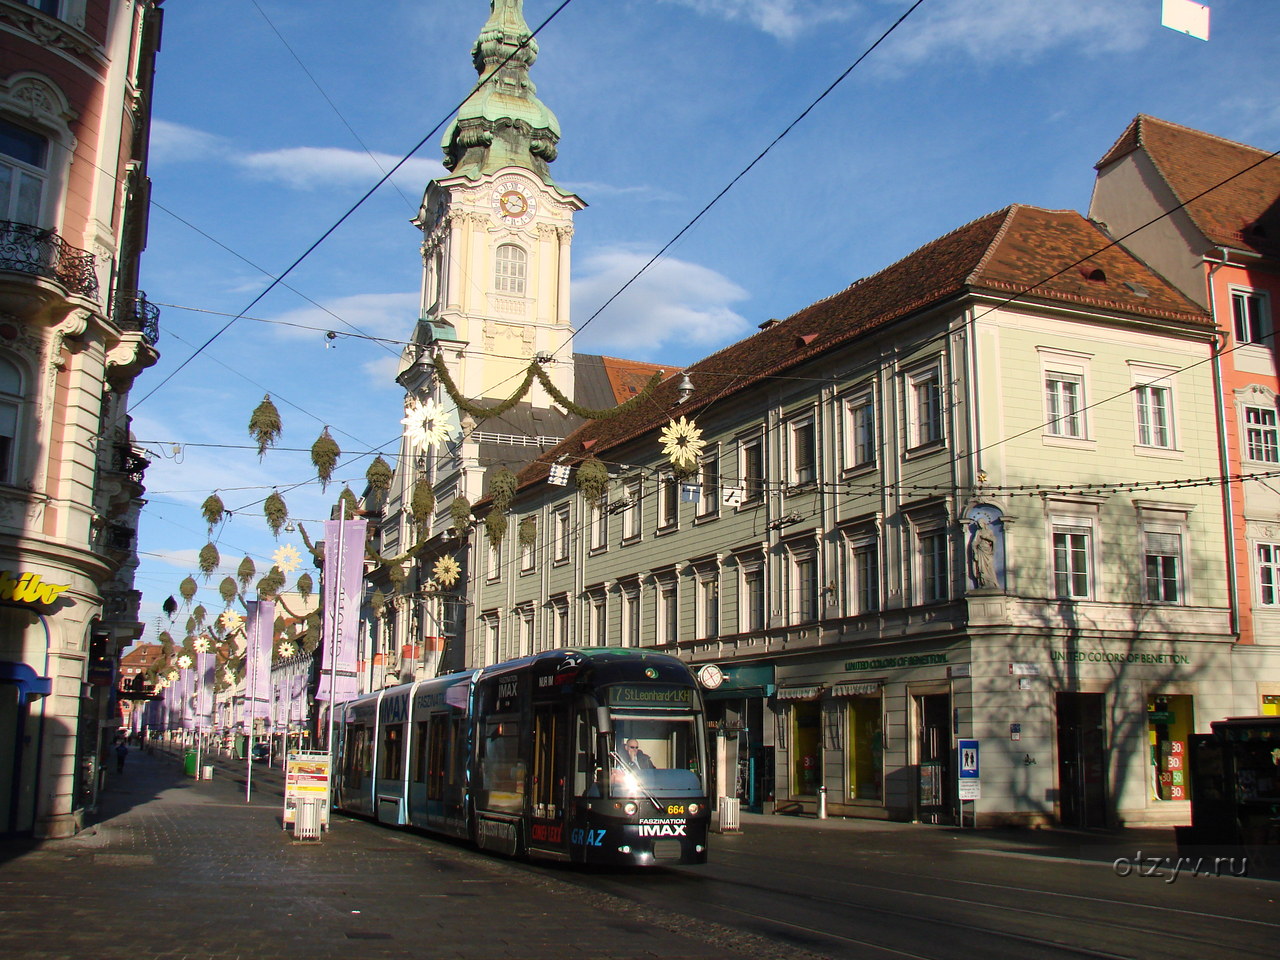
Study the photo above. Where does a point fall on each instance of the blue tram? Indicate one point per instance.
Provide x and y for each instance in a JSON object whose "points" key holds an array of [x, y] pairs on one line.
{"points": [[589, 756]]}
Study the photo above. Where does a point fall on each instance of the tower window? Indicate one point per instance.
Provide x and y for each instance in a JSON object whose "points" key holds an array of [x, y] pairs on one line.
{"points": [[509, 275]]}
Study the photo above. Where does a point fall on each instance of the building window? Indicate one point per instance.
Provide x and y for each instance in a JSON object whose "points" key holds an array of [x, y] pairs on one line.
{"points": [[560, 535], [709, 479], [1269, 574], [751, 469], [1071, 567], [804, 452], [599, 525], [1064, 404], [860, 431], [494, 568], [10, 407], [599, 625], [559, 622], [804, 586], [864, 565], [708, 625], [926, 407], [668, 502], [1163, 552], [668, 612], [526, 632], [1252, 316], [1154, 416], [45, 6], [934, 583], [751, 609], [631, 510], [1262, 441], [528, 544], [631, 615], [24, 158], [509, 273]]}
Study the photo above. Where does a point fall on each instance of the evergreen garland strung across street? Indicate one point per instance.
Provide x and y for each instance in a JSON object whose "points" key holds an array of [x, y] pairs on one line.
{"points": [[170, 607], [227, 589], [245, 573], [270, 584], [528, 533], [305, 586], [276, 512], [324, 457], [213, 510], [188, 589], [502, 489], [265, 426], [535, 370], [495, 525], [460, 510], [379, 475], [592, 478], [208, 560], [423, 502], [198, 615], [349, 504]]}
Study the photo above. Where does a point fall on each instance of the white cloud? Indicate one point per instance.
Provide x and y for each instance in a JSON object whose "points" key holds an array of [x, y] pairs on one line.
{"points": [[675, 304], [173, 142], [783, 19], [306, 168], [376, 314], [594, 190], [990, 30]]}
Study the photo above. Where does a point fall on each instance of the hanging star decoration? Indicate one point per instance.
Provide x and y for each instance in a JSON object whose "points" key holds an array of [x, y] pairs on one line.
{"points": [[185, 661], [447, 571], [202, 644], [425, 424], [230, 621], [682, 443], [173, 676], [287, 649], [229, 675], [287, 558]]}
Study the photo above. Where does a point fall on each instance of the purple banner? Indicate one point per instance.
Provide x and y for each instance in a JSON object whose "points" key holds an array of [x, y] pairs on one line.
{"points": [[186, 698], [343, 590], [206, 668], [298, 697], [258, 630]]}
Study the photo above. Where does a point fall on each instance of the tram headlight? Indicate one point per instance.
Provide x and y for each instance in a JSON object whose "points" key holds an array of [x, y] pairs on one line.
{"points": [[629, 808], [695, 809]]}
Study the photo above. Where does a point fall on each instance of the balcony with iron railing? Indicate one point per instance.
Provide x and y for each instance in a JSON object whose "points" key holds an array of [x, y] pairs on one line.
{"points": [[38, 252], [131, 310]]}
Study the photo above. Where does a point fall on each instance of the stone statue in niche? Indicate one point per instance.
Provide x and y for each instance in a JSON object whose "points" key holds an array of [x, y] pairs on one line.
{"points": [[986, 547]]}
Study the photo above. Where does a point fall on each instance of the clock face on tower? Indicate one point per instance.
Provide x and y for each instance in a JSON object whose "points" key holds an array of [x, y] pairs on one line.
{"points": [[513, 203]]}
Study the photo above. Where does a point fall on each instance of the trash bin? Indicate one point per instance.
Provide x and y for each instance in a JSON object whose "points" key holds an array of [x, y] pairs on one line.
{"points": [[730, 815], [306, 825], [189, 763], [207, 772]]}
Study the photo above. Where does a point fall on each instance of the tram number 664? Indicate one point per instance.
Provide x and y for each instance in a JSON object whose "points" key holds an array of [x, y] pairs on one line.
{"points": [[675, 808]]}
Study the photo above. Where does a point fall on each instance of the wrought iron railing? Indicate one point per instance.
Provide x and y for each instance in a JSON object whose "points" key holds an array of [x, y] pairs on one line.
{"points": [[129, 461], [132, 311], [29, 249]]}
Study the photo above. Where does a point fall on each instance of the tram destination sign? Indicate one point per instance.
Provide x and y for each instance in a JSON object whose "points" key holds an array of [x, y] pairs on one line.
{"points": [[649, 695]]}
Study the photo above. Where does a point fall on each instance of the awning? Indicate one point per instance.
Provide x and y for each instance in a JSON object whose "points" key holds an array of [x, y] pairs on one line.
{"points": [[809, 692], [860, 688]]}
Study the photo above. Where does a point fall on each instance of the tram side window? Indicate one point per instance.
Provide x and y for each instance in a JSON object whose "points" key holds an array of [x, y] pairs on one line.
{"points": [[438, 757], [392, 765], [358, 757], [502, 772], [585, 769], [418, 773]]}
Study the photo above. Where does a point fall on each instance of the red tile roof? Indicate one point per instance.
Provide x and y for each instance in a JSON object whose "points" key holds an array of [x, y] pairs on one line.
{"points": [[1020, 252], [1234, 204]]}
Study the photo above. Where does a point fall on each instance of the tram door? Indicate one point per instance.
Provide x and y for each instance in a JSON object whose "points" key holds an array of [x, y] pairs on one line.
{"points": [[550, 775]]}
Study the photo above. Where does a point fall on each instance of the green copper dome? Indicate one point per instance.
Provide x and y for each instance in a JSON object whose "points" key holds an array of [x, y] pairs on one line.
{"points": [[503, 123]]}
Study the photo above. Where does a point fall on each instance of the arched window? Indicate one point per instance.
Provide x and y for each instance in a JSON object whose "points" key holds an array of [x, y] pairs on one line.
{"points": [[24, 158], [510, 272], [10, 406]]}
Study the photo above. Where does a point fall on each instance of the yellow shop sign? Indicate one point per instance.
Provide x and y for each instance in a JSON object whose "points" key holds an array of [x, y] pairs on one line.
{"points": [[29, 588]]}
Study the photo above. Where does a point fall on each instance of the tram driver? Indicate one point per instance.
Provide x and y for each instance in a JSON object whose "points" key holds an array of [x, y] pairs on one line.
{"points": [[635, 758]]}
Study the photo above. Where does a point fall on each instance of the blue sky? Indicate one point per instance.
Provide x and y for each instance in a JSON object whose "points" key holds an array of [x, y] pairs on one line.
{"points": [[968, 106]]}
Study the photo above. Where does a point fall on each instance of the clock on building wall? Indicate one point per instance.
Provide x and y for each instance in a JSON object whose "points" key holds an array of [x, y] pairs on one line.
{"points": [[513, 202]]}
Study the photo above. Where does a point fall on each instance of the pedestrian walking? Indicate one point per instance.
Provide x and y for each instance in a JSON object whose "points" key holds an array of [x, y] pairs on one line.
{"points": [[122, 751]]}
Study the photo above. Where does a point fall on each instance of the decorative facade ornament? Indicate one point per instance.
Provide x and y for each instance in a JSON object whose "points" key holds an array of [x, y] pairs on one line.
{"points": [[682, 444], [446, 571], [426, 424]]}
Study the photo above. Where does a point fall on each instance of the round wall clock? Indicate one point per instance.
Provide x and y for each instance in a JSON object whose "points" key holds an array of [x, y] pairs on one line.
{"points": [[513, 202]]}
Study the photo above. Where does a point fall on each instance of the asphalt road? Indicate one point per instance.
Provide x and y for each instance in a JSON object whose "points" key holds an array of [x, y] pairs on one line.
{"points": [[178, 868]]}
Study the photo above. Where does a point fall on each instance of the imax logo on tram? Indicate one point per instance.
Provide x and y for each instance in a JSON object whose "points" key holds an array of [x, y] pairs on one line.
{"points": [[662, 829], [395, 709]]}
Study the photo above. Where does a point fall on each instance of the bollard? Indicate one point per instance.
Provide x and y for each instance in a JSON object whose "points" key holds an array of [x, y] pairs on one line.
{"points": [[822, 802]]}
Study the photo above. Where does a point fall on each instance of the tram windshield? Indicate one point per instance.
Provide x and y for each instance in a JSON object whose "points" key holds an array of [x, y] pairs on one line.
{"points": [[655, 756]]}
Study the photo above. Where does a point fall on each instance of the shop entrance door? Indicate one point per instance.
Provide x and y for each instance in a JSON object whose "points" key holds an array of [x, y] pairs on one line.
{"points": [[933, 757], [1082, 788]]}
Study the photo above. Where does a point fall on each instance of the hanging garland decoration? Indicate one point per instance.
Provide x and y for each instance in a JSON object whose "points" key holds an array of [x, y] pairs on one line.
{"points": [[166, 644], [170, 607], [305, 586], [208, 560], [213, 510], [535, 370], [245, 573], [311, 639], [682, 444], [265, 426], [426, 425], [187, 588], [378, 603], [276, 512], [397, 575], [324, 457], [347, 500], [447, 570], [502, 488], [198, 615], [277, 628], [592, 478], [228, 590], [270, 584], [528, 533], [495, 526], [317, 555], [379, 475], [191, 624], [460, 511], [422, 503]]}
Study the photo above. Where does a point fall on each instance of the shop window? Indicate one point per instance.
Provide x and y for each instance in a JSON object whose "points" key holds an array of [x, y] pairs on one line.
{"points": [[1170, 723], [866, 748]]}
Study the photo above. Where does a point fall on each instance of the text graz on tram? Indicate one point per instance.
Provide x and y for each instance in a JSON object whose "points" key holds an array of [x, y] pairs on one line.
{"points": [[592, 756]]}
